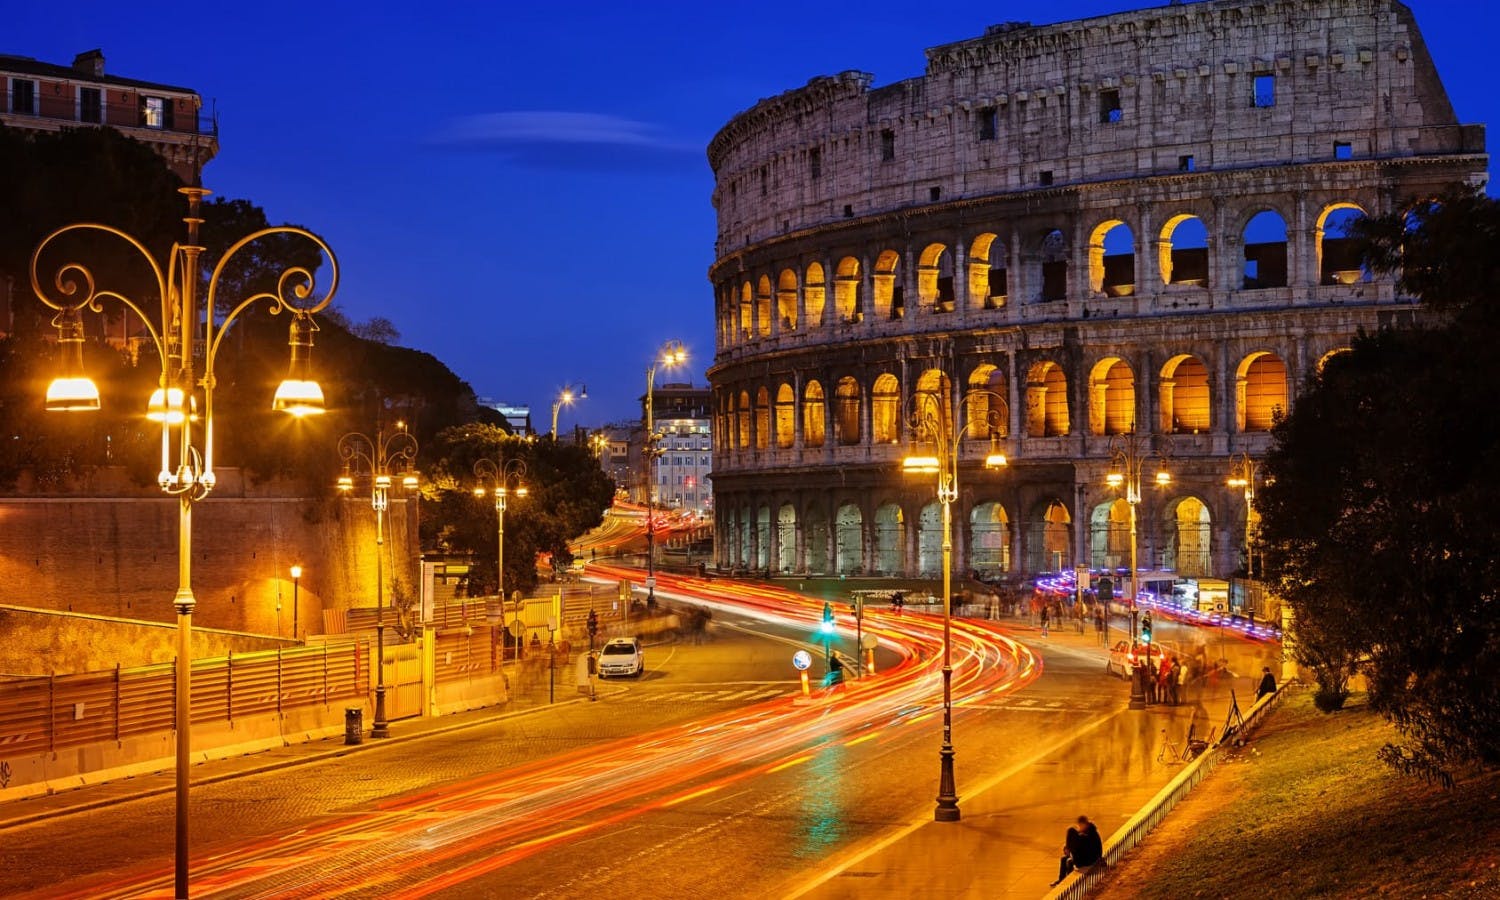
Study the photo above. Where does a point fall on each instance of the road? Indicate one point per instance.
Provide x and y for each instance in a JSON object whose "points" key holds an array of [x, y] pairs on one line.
{"points": [[645, 788]]}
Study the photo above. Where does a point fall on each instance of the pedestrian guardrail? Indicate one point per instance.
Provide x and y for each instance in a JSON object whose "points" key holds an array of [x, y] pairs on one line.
{"points": [[1134, 831]]}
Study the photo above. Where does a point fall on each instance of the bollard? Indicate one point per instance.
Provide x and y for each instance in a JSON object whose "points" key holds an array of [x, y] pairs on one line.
{"points": [[354, 729]]}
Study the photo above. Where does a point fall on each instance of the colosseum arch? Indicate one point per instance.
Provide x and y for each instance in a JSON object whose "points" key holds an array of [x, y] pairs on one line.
{"points": [[987, 275], [1111, 397], [742, 411], [762, 419], [890, 537], [848, 540], [762, 546], [930, 540], [786, 300], [1323, 360], [885, 409], [1112, 259], [747, 312], [1189, 536], [1046, 400], [763, 307], [815, 540], [1052, 260], [1185, 402], [812, 414], [846, 412], [987, 412], [933, 398], [1109, 535], [1260, 391], [786, 538], [786, 416], [890, 299], [814, 294], [935, 279], [1182, 251], [1336, 250], [1049, 536], [989, 538], [846, 305], [1264, 239]]}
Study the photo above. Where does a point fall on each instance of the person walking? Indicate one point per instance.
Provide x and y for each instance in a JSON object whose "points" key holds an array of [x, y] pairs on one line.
{"points": [[1174, 681], [1099, 623], [1082, 847], [1164, 680]]}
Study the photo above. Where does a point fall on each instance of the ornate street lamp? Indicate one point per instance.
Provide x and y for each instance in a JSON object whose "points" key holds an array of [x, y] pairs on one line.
{"points": [[932, 422], [505, 480], [671, 355], [567, 398], [187, 453], [1128, 455], [386, 460], [1242, 474]]}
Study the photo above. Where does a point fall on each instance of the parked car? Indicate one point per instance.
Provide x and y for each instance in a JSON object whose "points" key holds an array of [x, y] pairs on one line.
{"points": [[1121, 658], [622, 656]]}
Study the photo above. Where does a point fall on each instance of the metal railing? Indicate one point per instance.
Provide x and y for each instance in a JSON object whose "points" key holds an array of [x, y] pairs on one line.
{"points": [[1134, 831], [118, 115], [50, 713]]}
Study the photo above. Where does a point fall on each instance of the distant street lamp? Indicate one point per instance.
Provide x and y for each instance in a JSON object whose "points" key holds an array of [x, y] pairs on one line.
{"points": [[567, 398], [296, 584], [505, 479], [1128, 454], [187, 455], [383, 459], [932, 422], [1242, 475], [671, 355]]}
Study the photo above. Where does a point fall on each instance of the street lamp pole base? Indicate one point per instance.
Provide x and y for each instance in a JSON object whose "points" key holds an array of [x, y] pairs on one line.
{"points": [[947, 799], [380, 728], [1137, 690]]}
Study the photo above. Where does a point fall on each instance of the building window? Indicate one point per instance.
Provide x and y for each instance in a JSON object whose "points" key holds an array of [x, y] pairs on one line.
{"points": [[1343, 150], [23, 97], [1264, 95], [887, 145], [153, 112], [848, 211], [988, 120], [1046, 178], [935, 194], [1110, 110], [765, 180], [90, 105], [815, 163], [1186, 164]]}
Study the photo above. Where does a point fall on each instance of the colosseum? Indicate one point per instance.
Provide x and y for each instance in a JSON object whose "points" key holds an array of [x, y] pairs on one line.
{"points": [[1130, 227]]}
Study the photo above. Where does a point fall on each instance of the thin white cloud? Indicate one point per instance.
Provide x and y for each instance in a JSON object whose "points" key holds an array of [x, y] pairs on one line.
{"points": [[508, 129]]}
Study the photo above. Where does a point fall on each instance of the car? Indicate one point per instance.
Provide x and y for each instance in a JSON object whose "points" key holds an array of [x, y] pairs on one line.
{"points": [[1121, 659], [622, 656]]}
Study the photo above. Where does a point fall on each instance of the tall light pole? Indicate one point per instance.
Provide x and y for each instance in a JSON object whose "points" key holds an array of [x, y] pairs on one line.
{"points": [[932, 421], [1128, 454], [383, 459], [296, 586], [505, 479], [187, 454], [1242, 475], [567, 398], [671, 355]]}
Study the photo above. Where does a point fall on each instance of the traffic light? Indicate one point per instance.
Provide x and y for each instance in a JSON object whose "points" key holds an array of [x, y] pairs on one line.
{"points": [[1146, 628], [1105, 590], [593, 623], [827, 617]]}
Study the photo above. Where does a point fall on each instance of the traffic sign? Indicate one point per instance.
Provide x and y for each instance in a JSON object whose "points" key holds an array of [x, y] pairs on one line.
{"points": [[651, 583], [869, 642], [802, 660]]}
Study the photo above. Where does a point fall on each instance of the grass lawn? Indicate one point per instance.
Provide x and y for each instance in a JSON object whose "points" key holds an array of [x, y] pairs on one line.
{"points": [[1306, 810]]}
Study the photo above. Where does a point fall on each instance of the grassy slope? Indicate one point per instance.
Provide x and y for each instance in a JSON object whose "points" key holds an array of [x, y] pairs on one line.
{"points": [[1307, 811]]}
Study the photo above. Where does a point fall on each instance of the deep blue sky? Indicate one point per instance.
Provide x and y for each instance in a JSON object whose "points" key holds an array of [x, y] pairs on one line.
{"points": [[521, 187]]}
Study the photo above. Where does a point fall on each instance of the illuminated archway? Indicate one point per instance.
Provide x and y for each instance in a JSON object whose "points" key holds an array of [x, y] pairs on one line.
{"points": [[1260, 390], [885, 410], [786, 300], [1265, 251], [812, 415], [848, 539], [763, 308], [890, 534], [1182, 251], [987, 272], [846, 292], [1186, 407], [935, 278], [890, 301], [988, 411], [1049, 537], [930, 540], [846, 412], [762, 419], [786, 416], [1337, 250], [1046, 400], [1112, 259], [1111, 397], [814, 295], [989, 538], [1189, 534], [786, 538]]}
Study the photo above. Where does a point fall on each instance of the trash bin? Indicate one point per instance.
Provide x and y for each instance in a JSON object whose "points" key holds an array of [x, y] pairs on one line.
{"points": [[354, 725]]}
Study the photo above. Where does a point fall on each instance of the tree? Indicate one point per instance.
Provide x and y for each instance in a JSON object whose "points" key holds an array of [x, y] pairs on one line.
{"points": [[567, 494], [1381, 515]]}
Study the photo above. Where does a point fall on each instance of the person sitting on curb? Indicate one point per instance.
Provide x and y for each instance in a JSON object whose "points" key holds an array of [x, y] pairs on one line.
{"points": [[1081, 848], [1267, 683]]}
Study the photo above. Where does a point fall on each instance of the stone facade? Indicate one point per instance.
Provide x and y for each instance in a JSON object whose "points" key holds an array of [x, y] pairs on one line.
{"points": [[1133, 223]]}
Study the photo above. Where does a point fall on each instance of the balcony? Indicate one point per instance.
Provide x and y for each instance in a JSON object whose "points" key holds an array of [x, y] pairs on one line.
{"points": [[130, 119]]}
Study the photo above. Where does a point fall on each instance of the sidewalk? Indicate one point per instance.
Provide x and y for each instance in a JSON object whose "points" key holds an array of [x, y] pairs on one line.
{"points": [[530, 696], [1010, 837]]}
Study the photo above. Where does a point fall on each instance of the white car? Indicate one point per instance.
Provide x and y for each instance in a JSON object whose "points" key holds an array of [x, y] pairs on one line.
{"points": [[622, 656]]}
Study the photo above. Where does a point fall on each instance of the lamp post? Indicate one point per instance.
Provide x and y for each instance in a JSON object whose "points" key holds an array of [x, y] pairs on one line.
{"points": [[671, 355], [1128, 454], [567, 398], [382, 459], [932, 422], [1242, 475], [296, 585], [187, 454], [502, 476]]}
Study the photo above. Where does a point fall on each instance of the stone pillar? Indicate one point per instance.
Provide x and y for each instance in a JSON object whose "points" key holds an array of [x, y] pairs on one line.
{"points": [[1147, 275], [800, 532]]}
